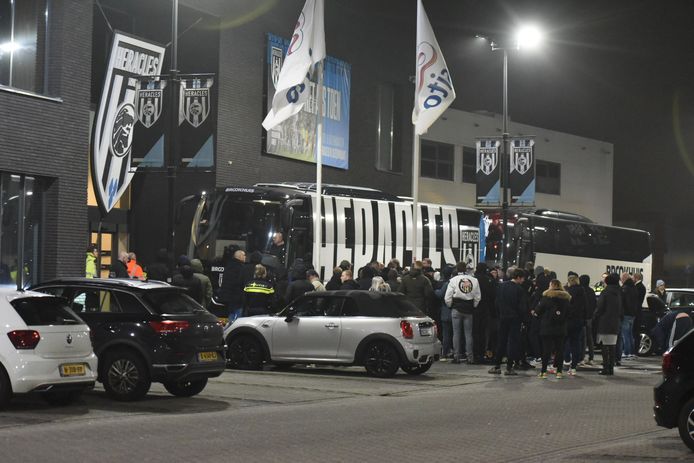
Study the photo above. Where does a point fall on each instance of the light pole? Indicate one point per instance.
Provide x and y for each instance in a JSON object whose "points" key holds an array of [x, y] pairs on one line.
{"points": [[526, 37]]}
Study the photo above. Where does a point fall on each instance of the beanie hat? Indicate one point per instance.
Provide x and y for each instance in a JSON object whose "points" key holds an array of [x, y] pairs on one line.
{"points": [[660, 283]]}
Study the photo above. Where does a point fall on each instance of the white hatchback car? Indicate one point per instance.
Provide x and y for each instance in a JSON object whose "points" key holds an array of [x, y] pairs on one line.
{"points": [[381, 331], [44, 347]]}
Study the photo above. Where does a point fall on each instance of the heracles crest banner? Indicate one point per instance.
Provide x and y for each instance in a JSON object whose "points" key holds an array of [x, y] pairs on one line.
{"points": [[197, 122], [195, 101], [522, 173], [487, 177], [112, 138], [150, 101]]}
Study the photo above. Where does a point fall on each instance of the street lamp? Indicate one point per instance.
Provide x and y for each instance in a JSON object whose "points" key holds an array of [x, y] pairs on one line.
{"points": [[527, 37]]}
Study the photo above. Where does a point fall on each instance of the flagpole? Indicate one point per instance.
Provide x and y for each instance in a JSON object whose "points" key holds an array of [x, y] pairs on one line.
{"points": [[317, 219], [415, 193]]}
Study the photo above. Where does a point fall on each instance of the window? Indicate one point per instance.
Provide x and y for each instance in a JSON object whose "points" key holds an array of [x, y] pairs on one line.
{"points": [[386, 157], [130, 304], [548, 177], [682, 300], [43, 311], [94, 301], [22, 43], [21, 217], [167, 301], [469, 164], [437, 160]]}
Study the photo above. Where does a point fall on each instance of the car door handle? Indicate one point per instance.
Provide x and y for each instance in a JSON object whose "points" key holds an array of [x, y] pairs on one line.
{"points": [[331, 325]]}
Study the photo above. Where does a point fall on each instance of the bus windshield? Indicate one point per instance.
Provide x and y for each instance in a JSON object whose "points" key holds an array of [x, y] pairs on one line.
{"points": [[243, 221]]}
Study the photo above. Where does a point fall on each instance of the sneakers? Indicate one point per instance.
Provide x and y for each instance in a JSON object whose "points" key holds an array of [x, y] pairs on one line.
{"points": [[495, 370], [572, 372], [542, 375], [551, 370], [559, 375]]}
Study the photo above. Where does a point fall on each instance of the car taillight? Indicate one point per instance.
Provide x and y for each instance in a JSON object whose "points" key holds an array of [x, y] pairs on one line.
{"points": [[669, 364], [24, 339], [406, 328], [169, 326]]}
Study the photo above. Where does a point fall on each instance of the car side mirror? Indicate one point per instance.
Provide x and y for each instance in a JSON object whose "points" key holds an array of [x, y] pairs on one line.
{"points": [[291, 313]]}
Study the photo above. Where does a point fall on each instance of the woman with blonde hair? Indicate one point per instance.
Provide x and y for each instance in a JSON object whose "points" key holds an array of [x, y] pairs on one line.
{"points": [[379, 285], [552, 310]]}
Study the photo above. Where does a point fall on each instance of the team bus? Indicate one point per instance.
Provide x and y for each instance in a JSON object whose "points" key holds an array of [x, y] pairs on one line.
{"points": [[359, 225], [566, 242]]}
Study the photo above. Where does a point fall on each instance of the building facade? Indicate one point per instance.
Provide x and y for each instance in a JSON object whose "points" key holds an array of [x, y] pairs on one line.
{"points": [[51, 81], [573, 174]]}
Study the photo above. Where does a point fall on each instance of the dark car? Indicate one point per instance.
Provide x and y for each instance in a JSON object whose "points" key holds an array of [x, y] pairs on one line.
{"points": [[145, 332], [677, 299], [674, 396]]}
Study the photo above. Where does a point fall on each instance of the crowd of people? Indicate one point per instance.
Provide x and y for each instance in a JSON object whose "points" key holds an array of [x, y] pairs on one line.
{"points": [[524, 318]]}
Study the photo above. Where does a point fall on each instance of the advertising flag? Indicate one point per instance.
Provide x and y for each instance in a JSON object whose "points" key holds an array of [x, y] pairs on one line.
{"points": [[116, 118], [488, 173], [307, 48], [434, 89], [522, 173]]}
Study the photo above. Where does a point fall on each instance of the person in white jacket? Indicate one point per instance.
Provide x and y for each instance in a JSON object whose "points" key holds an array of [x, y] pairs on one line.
{"points": [[462, 296]]}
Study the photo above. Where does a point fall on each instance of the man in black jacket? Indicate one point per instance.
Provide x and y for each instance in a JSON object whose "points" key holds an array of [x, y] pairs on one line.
{"points": [[630, 301], [591, 303], [512, 302], [483, 311], [298, 287], [119, 269], [233, 283]]}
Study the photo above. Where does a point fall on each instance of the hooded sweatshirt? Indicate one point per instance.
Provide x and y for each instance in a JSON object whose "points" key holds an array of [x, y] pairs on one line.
{"points": [[196, 264]]}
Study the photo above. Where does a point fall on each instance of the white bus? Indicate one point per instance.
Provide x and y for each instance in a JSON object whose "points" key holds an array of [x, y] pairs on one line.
{"points": [[564, 242]]}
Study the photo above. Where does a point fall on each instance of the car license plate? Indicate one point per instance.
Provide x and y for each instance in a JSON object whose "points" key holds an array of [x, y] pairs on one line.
{"points": [[425, 331], [208, 356], [73, 369]]}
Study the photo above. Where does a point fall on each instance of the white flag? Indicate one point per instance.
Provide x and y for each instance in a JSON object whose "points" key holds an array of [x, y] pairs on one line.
{"points": [[433, 86], [306, 49]]}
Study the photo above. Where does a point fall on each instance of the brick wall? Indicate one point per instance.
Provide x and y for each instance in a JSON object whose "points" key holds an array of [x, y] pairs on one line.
{"points": [[358, 32], [50, 139]]}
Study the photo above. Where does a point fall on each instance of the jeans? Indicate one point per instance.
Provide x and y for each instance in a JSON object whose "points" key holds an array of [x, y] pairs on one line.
{"points": [[447, 335], [628, 335], [574, 339], [234, 313], [509, 341], [588, 341], [552, 344], [461, 321]]}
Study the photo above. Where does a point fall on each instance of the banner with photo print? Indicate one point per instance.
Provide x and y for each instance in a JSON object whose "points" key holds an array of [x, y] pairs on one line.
{"points": [[294, 138]]}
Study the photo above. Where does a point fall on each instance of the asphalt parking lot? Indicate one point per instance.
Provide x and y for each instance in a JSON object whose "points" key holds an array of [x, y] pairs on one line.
{"points": [[454, 413]]}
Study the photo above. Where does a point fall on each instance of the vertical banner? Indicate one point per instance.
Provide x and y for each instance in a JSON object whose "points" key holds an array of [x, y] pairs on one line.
{"points": [[197, 122], [522, 173], [112, 138], [488, 173], [148, 142], [294, 137]]}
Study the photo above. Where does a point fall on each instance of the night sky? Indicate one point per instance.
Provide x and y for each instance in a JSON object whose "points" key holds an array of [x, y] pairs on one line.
{"points": [[610, 70], [618, 71]]}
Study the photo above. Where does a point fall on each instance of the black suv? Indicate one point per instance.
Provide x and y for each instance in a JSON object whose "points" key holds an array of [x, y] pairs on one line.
{"points": [[145, 332], [674, 396]]}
